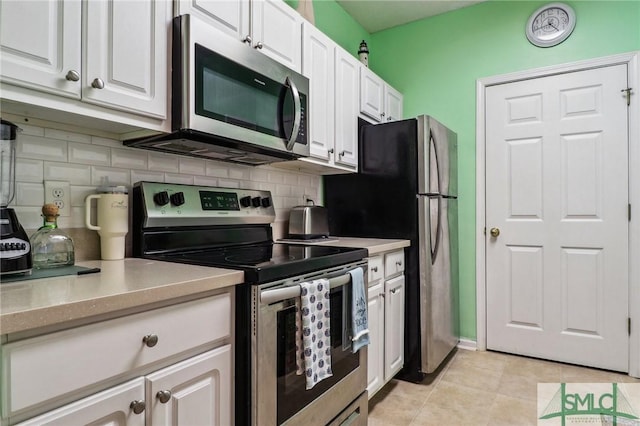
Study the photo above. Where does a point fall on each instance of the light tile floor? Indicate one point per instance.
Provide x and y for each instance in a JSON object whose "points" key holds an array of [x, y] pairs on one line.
{"points": [[478, 388]]}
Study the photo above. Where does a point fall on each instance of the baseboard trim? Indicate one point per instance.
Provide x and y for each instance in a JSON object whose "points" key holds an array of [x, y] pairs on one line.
{"points": [[468, 345]]}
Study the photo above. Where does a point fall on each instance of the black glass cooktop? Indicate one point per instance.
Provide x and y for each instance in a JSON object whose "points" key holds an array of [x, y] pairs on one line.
{"points": [[268, 261]]}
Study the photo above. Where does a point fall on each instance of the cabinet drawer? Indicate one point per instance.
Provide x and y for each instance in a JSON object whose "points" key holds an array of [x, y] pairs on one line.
{"points": [[393, 263], [376, 270], [38, 369]]}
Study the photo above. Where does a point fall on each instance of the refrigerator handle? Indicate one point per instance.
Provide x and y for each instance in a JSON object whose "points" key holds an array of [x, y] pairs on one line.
{"points": [[434, 153], [436, 246]]}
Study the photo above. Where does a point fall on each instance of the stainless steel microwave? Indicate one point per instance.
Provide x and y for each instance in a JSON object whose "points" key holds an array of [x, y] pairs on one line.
{"points": [[231, 102]]}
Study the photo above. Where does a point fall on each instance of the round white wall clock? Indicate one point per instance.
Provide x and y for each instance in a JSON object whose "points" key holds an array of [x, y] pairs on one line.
{"points": [[551, 24]]}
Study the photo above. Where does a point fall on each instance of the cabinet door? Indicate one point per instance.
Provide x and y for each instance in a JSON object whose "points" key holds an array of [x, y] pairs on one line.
{"points": [[40, 45], [346, 110], [193, 392], [371, 94], [108, 408], [375, 351], [230, 16], [276, 29], [125, 55], [393, 104], [394, 326], [318, 66]]}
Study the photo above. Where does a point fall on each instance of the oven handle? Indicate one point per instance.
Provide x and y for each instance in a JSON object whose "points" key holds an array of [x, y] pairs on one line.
{"points": [[276, 295]]}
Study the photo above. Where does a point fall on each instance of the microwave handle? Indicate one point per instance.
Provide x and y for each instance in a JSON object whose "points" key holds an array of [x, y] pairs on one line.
{"points": [[297, 113], [268, 297]]}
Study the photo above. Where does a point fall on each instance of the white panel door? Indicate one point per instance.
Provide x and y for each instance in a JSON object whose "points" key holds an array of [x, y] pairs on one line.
{"points": [[346, 111], [557, 179], [125, 55], [371, 94], [193, 392], [230, 16], [393, 326], [318, 65], [40, 45], [112, 407], [375, 350], [393, 104], [277, 32]]}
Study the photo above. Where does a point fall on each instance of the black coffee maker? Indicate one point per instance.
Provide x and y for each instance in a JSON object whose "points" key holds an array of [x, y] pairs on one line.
{"points": [[15, 250]]}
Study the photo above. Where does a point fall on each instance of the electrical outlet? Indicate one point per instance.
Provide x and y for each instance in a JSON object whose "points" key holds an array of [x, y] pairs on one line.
{"points": [[58, 193]]}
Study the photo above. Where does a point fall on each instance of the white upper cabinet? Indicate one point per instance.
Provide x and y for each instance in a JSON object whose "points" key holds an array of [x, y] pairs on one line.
{"points": [[125, 55], [378, 101], [346, 109], [40, 45], [318, 66], [110, 53], [270, 26]]}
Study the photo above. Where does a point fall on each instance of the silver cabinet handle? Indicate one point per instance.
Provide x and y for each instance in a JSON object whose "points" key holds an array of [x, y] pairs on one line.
{"points": [[374, 269], [150, 340], [137, 406], [341, 153], [382, 115], [247, 39], [259, 45], [394, 290], [398, 263], [389, 118], [97, 83], [163, 396], [331, 151], [72, 75]]}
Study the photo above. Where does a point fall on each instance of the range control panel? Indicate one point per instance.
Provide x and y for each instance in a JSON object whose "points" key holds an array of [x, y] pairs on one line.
{"points": [[166, 204]]}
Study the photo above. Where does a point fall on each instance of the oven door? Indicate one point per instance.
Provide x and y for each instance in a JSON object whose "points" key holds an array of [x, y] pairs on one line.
{"points": [[279, 395]]}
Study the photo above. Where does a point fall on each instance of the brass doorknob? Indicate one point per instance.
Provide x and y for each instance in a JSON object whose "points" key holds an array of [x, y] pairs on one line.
{"points": [[495, 232]]}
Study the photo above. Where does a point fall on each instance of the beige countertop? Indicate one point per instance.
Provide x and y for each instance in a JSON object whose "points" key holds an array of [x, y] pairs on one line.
{"points": [[121, 284], [373, 245]]}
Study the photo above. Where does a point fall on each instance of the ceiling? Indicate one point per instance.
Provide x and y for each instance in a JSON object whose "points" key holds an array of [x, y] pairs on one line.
{"points": [[377, 15]]}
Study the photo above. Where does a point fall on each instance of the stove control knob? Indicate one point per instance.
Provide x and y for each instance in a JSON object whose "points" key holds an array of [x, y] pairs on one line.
{"points": [[266, 202], [177, 199], [161, 198], [245, 201], [255, 201]]}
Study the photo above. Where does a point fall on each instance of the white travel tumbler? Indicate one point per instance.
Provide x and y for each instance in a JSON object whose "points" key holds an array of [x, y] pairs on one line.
{"points": [[112, 217]]}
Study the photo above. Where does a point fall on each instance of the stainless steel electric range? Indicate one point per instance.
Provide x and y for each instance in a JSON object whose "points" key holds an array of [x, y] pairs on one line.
{"points": [[231, 228]]}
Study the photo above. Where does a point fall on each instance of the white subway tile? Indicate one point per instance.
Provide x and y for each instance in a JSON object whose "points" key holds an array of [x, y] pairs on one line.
{"points": [[129, 158], [251, 185], [29, 170], [29, 194], [259, 175], [30, 217], [282, 214], [239, 173], [84, 153], [290, 179], [192, 166], [111, 143], [28, 129], [275, 177], [38, 148], [66, 136], [76, 218], [226, 183], [75, 174], [174, 178], [163, 162], [101, 175], [205, 181], [304, 180], [283, 190], [79, 193], [267, 187], [297, 191], [139, 176], [216, 169]]}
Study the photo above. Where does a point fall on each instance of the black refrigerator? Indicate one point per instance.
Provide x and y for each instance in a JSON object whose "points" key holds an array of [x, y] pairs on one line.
{"points": [[406, 188]]}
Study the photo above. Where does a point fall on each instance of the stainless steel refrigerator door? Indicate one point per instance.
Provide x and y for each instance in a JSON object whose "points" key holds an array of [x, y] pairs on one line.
{"points": [[438, 289], [437, 158]]}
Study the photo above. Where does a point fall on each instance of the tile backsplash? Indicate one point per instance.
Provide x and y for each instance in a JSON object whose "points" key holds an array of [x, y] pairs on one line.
{"points": [[85, 161]]}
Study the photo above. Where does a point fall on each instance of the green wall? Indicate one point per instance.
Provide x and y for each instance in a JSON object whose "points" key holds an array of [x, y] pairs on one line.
{"points": [[435, 63]]}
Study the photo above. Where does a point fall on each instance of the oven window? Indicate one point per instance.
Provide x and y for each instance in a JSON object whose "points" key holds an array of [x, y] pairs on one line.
{"points": [[228, 92], [292, 395]]}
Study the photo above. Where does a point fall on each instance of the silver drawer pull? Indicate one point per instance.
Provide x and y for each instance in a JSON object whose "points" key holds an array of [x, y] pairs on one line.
{"points": [[72, 75], [97, 83], [163, 396], [150, 340], [137, 406]]}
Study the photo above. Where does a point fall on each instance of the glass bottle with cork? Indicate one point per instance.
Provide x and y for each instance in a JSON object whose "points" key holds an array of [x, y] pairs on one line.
{"points": [[50, 246]]}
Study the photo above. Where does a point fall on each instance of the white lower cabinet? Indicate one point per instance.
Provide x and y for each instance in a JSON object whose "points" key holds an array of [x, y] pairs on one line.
{"points": [[386, 319], [158, 367]]}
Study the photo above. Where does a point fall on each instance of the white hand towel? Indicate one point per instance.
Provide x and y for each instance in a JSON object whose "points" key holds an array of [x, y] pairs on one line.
{"points": [[359, 315], [316, 331]]}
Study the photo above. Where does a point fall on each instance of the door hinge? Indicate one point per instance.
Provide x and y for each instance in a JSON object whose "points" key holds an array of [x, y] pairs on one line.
{"points": [[629, 326], [628, 94]]}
